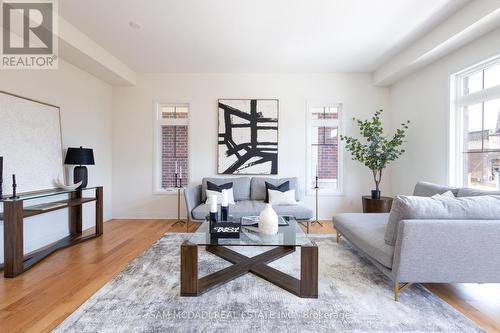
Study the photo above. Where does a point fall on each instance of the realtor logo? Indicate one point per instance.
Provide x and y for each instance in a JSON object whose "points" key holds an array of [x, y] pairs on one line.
{"points": [[29, 36]]}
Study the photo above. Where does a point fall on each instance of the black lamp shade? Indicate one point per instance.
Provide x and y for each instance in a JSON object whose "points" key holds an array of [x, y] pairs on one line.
{"points": [[79, 156]]}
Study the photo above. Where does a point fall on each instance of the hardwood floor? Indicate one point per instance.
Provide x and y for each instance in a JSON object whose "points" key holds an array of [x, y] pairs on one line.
{"points": [[41, 298]]}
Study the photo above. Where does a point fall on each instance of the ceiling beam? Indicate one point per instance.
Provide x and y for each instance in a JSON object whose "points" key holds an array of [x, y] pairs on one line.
{"points": [[472, 21], [78, 49]]}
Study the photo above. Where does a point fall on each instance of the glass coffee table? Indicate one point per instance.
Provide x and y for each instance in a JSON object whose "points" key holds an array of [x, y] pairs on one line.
{"points": [[285, 242]]}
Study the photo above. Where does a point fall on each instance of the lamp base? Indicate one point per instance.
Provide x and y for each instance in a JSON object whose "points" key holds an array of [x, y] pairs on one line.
{"points": [[80, 173]]}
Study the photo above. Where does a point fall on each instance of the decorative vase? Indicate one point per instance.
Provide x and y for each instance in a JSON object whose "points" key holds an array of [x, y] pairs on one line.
{"points": [[268, 221], [375, 194]]}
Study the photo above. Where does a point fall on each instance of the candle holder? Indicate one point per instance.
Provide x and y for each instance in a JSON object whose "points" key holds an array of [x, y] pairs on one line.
{"points": [[179, 188], [316, 189], [14, 185]]}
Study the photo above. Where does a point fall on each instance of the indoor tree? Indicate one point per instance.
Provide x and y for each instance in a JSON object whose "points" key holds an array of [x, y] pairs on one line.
{"points": [[376, 151]]}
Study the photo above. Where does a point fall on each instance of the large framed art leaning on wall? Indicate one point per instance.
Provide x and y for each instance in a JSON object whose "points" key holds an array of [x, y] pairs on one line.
{"points": [[30, 143]]}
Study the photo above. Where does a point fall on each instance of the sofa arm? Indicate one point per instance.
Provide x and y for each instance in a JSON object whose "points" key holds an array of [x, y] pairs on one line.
{"points": [[192, 195], [447, 251]]}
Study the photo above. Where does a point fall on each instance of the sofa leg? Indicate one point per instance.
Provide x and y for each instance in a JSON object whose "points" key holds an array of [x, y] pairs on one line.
{"points": [[399, 289], [338, 237]]}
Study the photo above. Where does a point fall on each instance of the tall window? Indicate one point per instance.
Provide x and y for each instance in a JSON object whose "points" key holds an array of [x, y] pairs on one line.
{"points": [[323, 160], [171, 139], [476, 122]]}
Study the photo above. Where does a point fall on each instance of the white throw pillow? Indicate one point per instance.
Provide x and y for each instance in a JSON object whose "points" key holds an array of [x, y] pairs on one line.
{"points": [[282, 198], [230, 196], [448, 194]]}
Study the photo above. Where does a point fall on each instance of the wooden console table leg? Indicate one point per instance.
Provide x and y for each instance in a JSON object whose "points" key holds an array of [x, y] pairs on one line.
{"points": [[99, 215], [13, 238], [189, 269], [309, 271], [75, 215]]}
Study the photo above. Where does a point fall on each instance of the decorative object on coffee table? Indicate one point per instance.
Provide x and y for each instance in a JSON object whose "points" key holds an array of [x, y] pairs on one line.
{"points": [[80, 157], [229, 228], [379, 150], [381, 205], [224, 207], [213, 208], [268, 221]]}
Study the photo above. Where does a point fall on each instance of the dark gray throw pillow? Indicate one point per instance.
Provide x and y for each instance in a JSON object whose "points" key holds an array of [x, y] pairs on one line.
{"points": [[218, 188], [282, 188]]}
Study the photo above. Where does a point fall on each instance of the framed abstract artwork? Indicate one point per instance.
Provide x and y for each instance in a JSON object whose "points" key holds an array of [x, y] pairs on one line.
{"points": [[248, 136]]}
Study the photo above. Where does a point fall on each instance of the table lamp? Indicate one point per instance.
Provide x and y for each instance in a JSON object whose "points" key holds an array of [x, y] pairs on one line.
{"points": [[80, 157]]}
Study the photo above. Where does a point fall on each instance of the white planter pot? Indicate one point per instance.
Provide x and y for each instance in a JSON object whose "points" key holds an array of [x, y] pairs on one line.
{"points": [[268, 221]]}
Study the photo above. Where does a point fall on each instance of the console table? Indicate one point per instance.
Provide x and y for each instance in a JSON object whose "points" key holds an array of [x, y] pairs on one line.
{"points": [[14, 212]]}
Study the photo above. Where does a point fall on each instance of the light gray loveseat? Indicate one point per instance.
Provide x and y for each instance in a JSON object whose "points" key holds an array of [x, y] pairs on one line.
{"points": [[249, 194], [428, 250]]}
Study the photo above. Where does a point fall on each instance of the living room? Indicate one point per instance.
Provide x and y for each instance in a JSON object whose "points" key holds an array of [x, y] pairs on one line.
{"points": [[229, 166]]}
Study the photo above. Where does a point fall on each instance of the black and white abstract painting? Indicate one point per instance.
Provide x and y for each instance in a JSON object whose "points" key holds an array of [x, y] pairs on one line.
{"points": [[248, 136]]}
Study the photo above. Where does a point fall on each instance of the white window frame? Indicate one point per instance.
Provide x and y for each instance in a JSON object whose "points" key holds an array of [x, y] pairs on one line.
{"points": [[456, 118], [340, 154], [158, 122]]}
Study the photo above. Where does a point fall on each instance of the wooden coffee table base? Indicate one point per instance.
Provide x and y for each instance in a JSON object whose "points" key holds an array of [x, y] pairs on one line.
{"points": [[306, 287]]}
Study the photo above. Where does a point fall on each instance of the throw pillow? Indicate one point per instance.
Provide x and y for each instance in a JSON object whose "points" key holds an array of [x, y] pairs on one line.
{"points": [[282, 198], [444, 208], [448, 194], [282, 188], [213, 189]]}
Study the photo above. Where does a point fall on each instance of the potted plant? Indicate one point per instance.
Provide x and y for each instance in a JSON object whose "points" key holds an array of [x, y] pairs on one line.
{"points": [[378, 150]]}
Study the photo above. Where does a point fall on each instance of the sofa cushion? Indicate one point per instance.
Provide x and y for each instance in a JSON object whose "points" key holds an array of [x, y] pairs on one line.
{"points": [[425, 189], [465, 208], [366, 232], [241, 187], [299, 211], [473, 192], [258, 186], [253, 208]]}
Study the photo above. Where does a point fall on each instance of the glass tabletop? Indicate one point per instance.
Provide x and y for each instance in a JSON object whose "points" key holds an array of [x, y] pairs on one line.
{"points": [[290, 235], [42, 194]]}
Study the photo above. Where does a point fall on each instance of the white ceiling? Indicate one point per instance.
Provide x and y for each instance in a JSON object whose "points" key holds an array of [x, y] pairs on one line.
{"points": [[224, 36]]}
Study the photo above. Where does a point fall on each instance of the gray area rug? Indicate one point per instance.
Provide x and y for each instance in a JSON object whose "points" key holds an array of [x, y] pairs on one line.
{"points": [[353, 297]]}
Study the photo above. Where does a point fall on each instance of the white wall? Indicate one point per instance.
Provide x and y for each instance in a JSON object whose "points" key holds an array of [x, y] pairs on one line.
{"points": [[133, 131], [424, 98], [86, 116]]}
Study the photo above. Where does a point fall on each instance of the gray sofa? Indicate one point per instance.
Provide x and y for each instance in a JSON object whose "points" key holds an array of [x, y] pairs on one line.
{"points": [[428, 250], [249, 194]]}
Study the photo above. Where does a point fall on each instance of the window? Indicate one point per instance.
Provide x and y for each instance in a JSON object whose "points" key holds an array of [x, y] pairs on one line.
{"points": [[475, 126], [171, 141], [323, 155]]}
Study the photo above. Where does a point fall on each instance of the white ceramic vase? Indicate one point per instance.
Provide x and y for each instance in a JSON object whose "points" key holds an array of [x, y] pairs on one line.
{"points": [[268, 221]]}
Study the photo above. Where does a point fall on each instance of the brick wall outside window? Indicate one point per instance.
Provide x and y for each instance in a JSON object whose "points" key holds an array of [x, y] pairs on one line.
{"points": [[327, 153], [174, 149]]}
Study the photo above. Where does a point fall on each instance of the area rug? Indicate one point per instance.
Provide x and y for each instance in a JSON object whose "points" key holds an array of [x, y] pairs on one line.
{"points": [[353, 297]]}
